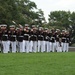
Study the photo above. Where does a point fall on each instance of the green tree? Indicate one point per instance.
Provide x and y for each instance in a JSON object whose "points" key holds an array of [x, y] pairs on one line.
{"points": [[59, 18], [21, 11]]}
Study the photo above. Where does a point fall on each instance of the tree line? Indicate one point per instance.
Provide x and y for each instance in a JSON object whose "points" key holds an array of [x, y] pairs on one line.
{"points": [[20, 11]]}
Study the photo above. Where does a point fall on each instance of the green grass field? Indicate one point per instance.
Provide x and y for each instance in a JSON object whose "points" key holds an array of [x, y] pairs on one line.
{"points": [[37, 64]]}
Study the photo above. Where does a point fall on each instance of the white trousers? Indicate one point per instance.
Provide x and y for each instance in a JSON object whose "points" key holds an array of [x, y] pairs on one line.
{"points": [[63, 46], [26, 46], [5, 46], [44, 46], [50, 46], [59, 49], [53, 46], [8, 45], [40, 46], [57, 46], [67, 47], [47, 46], [13, 45], [31, 46], [34, 46], [21, 44]]}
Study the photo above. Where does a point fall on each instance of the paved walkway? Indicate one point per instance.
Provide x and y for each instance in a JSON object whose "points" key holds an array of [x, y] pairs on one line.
{"points": [[71, 49]]}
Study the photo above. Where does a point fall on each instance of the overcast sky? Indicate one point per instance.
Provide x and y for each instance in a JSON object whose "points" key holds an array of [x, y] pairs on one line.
{"points": [[51, 5]]}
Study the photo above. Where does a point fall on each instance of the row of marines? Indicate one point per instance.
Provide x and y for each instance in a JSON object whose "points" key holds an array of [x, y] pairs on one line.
{"points": [[26, 39]]}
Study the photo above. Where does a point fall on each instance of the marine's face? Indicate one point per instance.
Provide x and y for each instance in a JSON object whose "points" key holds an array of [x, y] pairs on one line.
{"points": [[5, 27], [26, 27], [12, 28], [2, 27], [21, 29]]}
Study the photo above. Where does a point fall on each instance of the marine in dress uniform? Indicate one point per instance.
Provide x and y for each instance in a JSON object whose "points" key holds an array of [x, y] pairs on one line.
{"points": [[12, 38], [46, 40], [4, 38], [57, 33], [49, 39], [53, 40], [67, 41], [20, 39], [17, 42], [26, 38], [40, 39], [63, 40], [33, 39], [44, 33]]}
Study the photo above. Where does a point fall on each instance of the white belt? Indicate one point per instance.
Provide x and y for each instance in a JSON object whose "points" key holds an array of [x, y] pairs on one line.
{"points": [[5, 35], [52, 37], [26, 34], [20, 36], [41, 35], [13, 35]]}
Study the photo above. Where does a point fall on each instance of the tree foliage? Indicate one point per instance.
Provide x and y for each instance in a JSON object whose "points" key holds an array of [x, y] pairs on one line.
{"points": [[21, 11], [60, 18]]}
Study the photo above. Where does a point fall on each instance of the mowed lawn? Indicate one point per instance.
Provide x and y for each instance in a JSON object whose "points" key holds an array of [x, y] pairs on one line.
{"points": [[37, 64]]}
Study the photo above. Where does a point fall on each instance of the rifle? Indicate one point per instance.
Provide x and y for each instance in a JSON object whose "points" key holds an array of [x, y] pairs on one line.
{"points": [[19, 25]]}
